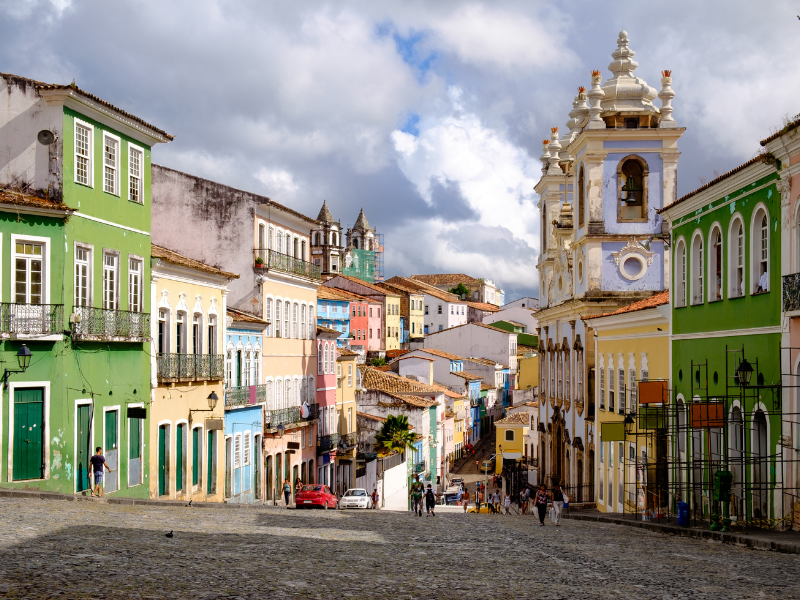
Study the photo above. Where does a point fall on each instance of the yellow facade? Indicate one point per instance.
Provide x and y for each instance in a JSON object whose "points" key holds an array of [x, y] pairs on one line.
{"points": [[510, 440], [392, 324], [416, 326], [528, 372], [187, 448], [635, 343], [346, 369]]}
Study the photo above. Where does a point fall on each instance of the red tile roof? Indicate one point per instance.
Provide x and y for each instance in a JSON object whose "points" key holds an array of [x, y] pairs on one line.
{"points": [[791, 126], [515, 419], [243, 317], [465, 375], [173, 257], [424, 288], [372, 378], [28, 201], [446, 279], [440, 353], [656, 300], [371, 286], [484, 306]]}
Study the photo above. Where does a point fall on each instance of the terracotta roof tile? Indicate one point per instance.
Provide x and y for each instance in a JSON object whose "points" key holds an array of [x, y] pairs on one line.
{"points": [[515, 419], [371, 417], [484, 306], [243, 317], [440, 353], [372, 378], [346, 352], [656, 300], [791, 126], [424, 288], [29, 201], [328, 331], [465, 375], [448, 392], [173, 257], [345, 295], [327, 293], [522, 349], [371, 286], [446, 279]]}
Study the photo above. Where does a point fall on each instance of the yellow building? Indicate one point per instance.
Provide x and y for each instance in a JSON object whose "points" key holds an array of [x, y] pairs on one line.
{"points": [[527, 367], [412, 309], [346, 370], [631, 347], [187, 449], [510, 440]]}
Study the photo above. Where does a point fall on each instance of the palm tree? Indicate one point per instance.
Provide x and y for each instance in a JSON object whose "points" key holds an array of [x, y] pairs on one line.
{"points": [[395, 435]]}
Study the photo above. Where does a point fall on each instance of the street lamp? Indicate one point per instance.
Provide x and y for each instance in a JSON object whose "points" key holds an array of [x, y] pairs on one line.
{"points": [[281, 430], [212, 404], [743, 373], [23, 360]]}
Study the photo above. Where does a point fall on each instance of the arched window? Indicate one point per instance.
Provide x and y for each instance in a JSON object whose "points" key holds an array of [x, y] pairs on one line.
{"points": [[270, 238], [262, 241], [680, 274], [319, 358], [736, 259], [268, 313], [288, 400], [303, 250], [268, 395], [697, 269], [286, 309], [760, 252], [715, 266], [581, 197], [312, 323], [303, 322], [356, 243], [256, 368], [335, 239], [296, 248], [325, 358], [248, 365], [296, 393], [288, 240], [279, 239], [278, 319], [295, 310], [278, 394], [632, 189], [312, 391]]}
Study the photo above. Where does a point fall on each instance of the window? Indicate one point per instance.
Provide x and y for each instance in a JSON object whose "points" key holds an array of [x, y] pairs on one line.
{"points": [[270, 237], [180, 333], [268, 312], [83, 276], [509, 435], [287, 398], [634, 399], [279, 242], [697, 269], [426, 309], [163, 331], [581, 200], [246, 453], [736, 259], [256, 369], [286, 319], [196, 333], [303, 322], [680, 274], [320, 358], [28, 273], [84, 135], [110, 279], [110, 164], [135, 164], [277, 318], [440, 309], [349, 377], [602, 388], [312, 391], [715, 268], [295, 309], [237, 451], [212, 334], [228, 367], [451, 309], [134, 285], [278, 394], [632, 188], [622, 391], [610, 387], [760, 237], [268, 393], [312, 324]]}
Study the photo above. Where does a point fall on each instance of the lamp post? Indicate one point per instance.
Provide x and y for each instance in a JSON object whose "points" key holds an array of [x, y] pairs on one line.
{"points": [[744, 372], [212, 404], [23, 360]]}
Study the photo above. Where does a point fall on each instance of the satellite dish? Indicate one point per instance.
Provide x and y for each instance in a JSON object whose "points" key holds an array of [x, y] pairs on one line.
{"points": [[46, 137]]}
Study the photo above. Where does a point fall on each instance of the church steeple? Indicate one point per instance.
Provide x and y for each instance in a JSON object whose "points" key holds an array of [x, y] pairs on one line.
{"points": [[361, 222], [325, 215]]}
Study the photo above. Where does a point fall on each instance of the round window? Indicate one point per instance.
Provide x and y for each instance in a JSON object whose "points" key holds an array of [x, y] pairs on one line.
{"points": [[633, 267]]}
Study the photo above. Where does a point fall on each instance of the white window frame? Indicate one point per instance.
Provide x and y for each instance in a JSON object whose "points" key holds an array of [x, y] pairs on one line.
{"points": [[247, 448], [681, 255], [756, 247], [132, 149], [736, 259], [45, 241], [118, 161], [90, 162], [89, 272], [237, 451], [135, 306], [697, 269], [716, 229]]}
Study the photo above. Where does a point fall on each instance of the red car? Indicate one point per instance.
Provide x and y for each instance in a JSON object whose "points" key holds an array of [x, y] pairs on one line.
{"points": [[316, 495]]}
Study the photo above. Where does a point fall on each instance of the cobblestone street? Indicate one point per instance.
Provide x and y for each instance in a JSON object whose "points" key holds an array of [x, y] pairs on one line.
{"points": [[93, 550]]}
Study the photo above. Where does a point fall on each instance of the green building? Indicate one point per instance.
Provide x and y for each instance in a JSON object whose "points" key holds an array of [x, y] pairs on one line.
{"points": [[724, 420], [77, 181]]}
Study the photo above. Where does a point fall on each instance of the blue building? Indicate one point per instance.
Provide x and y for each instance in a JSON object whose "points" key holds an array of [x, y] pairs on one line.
{"points": [[243, 427], [333, 312]]}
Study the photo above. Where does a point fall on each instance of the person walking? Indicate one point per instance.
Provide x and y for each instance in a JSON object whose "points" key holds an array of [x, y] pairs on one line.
{"points": [[287, 491], [508, 503], [298, 485], [465, 500], [98, 461], [558, 503], [416, 493], [430, 501], [540, 501], [496, 502], [523, 501], [375, 498]]}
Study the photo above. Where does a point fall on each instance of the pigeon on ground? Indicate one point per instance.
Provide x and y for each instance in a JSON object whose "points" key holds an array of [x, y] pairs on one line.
{"points": [[189, 505], [169, 535]]}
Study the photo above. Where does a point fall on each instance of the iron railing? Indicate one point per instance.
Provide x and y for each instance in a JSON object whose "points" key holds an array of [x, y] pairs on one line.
{"points": [[326, 443], [191, 367], [286, 416], [791, 292], [419, 467], [31, 319], [111, 325], [270, 259], [240, 396], [348, 441]]}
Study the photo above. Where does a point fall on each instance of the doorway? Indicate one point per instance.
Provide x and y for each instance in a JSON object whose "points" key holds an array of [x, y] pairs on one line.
{"points": [[84, 445], [111, 450], [228, 470], [163, 459], [28, 434]]}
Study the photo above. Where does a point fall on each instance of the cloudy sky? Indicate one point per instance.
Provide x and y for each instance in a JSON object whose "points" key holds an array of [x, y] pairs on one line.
{"points": [[430, 115]]}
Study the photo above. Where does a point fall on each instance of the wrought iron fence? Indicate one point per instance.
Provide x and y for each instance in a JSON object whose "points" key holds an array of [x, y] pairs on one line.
{"points": [[419, 467], [270, 259], [31, 319], [111, 325], [580, 493], [348, 440], [190, 366], [791, 292], [281, 416], [326, 443]]}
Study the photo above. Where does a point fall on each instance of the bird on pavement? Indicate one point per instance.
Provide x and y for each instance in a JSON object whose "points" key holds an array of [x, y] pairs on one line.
{"points": [[169, 535], [189, 505]]}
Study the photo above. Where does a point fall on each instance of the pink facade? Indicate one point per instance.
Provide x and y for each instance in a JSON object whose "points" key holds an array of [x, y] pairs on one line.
{"points": [[327, 429]]}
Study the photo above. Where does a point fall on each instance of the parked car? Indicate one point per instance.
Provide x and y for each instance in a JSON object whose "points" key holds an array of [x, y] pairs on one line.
{"points": [[487, 466], [355, 498], [457, 481], [315, 495]]}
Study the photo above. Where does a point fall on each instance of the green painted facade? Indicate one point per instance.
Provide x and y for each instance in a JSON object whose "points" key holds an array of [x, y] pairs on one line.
{"points": [[710, 338], [88, 383]]}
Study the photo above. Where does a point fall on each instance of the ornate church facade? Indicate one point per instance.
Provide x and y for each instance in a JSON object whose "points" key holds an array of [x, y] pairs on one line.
{"points": [[602, 247]]}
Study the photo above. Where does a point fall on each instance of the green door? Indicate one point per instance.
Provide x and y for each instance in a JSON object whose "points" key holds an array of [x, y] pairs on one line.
{"points": [[28, 433], [209, 462], [195, 456], [162, 460], [179, 454], [134, 452], [111, 452], [84, 450]]}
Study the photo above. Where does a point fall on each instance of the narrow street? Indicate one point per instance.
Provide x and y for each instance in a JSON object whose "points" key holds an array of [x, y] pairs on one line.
{"points": [[93, 550]]}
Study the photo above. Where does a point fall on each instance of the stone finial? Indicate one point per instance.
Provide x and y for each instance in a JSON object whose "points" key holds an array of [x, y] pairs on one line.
{"points": [[555, 150], [666, 95], [581, 109], [595, 96], [623, 64], [545, 157]]}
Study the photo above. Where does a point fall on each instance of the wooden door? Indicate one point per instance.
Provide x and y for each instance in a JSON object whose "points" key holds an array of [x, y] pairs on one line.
{"points": [[196, 456], [111, 452], [162, 460], [28, 433], [84, 450], [210, 463]]}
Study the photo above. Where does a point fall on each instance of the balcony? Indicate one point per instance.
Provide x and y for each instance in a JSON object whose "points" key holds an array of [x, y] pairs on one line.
{"points": [[791, 292], [287, 416], [419, 467], [100, 324], [240, 396], [270, 260], [326, 443], [190, 367], [22, 320], [348, 441]]}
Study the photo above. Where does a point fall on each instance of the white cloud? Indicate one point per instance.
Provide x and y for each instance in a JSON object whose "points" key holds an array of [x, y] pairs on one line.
{"points": [[278, 182]]}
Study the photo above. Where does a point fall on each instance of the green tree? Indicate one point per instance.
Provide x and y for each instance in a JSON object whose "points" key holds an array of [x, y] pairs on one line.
{"points": [[395, 436], [459, 290], [378, 361]]}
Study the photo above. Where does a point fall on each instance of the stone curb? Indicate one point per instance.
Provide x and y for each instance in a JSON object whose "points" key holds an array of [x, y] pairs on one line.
{"points": [[737, 539]]}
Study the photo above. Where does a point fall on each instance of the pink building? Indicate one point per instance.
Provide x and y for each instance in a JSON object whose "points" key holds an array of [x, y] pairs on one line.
{"points": [[327, 428]]}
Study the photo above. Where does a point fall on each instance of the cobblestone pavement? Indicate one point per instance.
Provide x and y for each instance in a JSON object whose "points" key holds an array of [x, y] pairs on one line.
{"points": [[93, 550]]}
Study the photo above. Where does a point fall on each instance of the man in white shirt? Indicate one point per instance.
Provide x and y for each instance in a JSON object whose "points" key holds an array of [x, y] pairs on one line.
{"points": [[763, 283], [496, 501]]}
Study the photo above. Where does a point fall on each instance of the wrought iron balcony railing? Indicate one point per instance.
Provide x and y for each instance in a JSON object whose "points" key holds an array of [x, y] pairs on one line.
{"points": [[270, 259], [31, 319], [190, 367], [326, 443], [419, 467], [348, 441], [791, 292], [111, 325], [286, 416]]}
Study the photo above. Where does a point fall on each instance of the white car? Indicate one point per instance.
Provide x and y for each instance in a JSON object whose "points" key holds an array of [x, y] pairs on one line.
{"points": [[355, 498]]}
